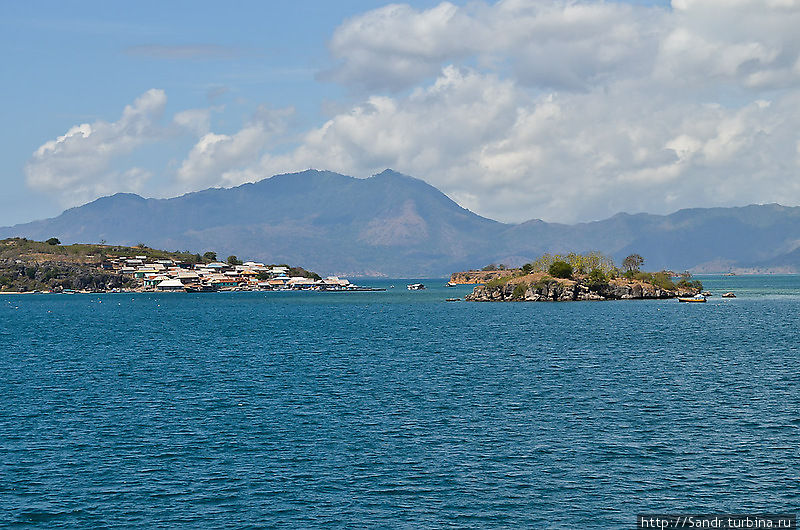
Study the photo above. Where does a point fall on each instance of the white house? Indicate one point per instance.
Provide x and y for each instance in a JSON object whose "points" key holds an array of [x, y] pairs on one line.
{"points": [[172, 284]]}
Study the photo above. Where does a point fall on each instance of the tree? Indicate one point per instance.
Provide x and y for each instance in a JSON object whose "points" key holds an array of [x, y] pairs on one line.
{"points": [[596, 278], [687, 283], [53, 241], [527, 268], [632, 263], [210, 256], [560, 269], [233, 260]]}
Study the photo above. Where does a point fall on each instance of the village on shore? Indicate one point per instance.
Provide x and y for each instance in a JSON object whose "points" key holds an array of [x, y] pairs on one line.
{"points": [[172, 275], [28, 266]]}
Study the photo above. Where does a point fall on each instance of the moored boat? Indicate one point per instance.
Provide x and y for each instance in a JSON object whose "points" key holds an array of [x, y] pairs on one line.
{"points": [[695, 299], [415, 287]]}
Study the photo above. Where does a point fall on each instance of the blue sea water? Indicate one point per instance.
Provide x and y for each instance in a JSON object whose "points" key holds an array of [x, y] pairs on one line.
{"points": [[396, 409]]}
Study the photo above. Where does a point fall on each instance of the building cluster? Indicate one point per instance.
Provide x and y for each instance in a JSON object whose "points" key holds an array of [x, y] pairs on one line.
{"points": [[171, 275]]}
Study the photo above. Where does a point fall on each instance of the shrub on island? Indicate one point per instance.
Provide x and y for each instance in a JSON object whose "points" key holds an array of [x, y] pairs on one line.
{"points": [[560, 269]]}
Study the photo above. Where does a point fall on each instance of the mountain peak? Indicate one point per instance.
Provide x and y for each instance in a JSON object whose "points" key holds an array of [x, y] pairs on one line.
{"points": [[122, 195], [391, 173]]}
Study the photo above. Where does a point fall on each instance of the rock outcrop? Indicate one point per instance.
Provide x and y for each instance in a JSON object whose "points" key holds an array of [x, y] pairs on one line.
{"points": [[19, 276]]}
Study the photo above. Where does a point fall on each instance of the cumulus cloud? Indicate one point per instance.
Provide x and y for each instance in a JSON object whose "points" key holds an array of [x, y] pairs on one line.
{"points": [[396, 45], [77, 166], [570, 45], [750, 44], [221, 159], [548, 44]]}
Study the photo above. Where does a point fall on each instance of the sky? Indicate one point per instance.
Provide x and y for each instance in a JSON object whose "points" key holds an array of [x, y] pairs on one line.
{"points": [[566, 111]]}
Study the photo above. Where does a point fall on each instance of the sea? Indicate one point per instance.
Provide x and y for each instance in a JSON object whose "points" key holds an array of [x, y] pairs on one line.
{"points": [[396, 409]]}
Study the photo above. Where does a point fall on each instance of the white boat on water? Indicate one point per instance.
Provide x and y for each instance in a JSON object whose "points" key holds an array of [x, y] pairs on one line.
{"points": [[415, 287], [694, 299]]}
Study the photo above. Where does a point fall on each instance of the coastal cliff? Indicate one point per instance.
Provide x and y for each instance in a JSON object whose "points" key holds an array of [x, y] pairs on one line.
{"points": [[542, 288]]}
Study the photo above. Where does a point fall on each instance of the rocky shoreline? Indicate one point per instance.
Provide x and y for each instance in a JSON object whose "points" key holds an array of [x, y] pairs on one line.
{"points": [[533, 289], [56, 276]]}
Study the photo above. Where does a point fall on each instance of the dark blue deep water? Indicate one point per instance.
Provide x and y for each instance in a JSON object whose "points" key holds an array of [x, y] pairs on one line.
{"points": [[396, 409]]}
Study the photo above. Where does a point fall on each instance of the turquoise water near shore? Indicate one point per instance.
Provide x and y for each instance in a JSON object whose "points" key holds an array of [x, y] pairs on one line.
{"points": [[396, 408]]}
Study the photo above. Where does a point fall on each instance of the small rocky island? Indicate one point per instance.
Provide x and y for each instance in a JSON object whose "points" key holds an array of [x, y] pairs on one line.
{"points": [[575, 277]]}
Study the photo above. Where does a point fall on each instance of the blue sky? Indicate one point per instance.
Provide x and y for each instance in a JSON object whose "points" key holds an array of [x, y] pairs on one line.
{"points": [[218, 96]]}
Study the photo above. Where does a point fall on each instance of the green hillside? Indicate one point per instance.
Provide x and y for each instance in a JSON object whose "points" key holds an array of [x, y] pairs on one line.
{"points": [[27, 250]]}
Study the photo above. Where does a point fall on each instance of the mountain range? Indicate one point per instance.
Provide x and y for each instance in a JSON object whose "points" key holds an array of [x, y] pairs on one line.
{"points": [[398, 226]]}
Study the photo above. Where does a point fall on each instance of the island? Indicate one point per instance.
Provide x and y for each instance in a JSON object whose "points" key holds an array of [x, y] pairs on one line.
{"points": [[573, 277], [28, 266]]}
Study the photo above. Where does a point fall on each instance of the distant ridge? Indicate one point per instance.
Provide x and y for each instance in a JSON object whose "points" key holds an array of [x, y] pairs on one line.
{"points": [[396, 225]]}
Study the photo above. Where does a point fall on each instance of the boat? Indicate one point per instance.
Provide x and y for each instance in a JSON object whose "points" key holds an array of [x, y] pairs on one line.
{"points": [[451, 284], [696, 298], [729, 295], [707, 294], [415, 287], [452, 299]]}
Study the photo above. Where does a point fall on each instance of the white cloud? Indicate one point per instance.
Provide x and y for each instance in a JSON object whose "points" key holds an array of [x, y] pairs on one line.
{"points": [[436, 126], [78, 165], [549, 44], [221, 159], [396, 45], [571, 44], [196, 121]]}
